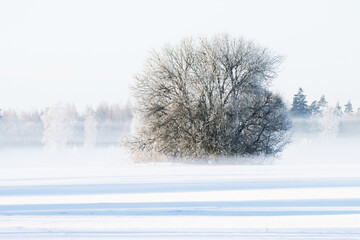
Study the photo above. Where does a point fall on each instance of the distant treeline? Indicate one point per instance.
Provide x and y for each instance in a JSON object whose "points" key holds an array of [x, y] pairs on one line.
{"points": [[301, 108], [63, 125], [320, 117]]}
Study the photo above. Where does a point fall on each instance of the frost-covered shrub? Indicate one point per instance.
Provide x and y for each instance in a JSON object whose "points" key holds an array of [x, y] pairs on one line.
{"points": [[329, 122], [209, 98], [90, 128], [59, 121]]}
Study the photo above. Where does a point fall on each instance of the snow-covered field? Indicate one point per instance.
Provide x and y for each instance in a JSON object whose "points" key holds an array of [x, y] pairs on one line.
{"points": [[99, 194]]}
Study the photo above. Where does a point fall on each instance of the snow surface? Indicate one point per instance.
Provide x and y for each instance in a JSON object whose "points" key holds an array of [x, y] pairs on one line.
{"points": [[310, 193]]}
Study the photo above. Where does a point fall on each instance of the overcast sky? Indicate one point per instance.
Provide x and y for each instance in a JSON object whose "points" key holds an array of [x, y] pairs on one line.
{"points": [[85, 52]]}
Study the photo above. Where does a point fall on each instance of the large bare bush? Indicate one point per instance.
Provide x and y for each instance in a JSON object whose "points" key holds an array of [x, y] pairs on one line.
{"points": [[209, 97]]}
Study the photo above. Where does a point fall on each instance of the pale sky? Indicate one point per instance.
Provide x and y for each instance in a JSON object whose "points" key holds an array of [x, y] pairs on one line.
{"points": [[85, 52]]}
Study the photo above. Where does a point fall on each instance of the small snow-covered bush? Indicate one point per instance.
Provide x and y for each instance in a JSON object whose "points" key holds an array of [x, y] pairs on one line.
{"points": [[59, 121]]}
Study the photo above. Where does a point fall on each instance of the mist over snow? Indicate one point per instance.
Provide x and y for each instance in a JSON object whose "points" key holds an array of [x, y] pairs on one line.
{"points": [[57, 141], [65, 173], [322, 150], [82, 192]]}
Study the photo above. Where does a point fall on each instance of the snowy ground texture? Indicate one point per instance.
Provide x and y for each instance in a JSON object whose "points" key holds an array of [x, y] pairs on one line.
{"points": [[98, 194]]}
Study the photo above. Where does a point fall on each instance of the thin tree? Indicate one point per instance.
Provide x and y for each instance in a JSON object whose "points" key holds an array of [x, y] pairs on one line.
{"points": [[338, 111], [314, 109], [348, 108], [322, 104]]}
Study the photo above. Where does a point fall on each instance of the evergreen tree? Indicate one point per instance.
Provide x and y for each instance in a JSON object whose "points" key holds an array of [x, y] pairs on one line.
{"points": [[348, 108], [314, 109], [299, 105], [338, 111], [322, 104]]}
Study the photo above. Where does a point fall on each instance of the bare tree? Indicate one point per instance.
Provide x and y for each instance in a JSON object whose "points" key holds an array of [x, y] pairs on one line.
{"points": [[209, 98]]}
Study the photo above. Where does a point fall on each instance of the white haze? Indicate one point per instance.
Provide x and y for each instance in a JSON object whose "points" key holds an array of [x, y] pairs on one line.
{"points": [[61, 136], [311, 192], [303, 150], [62, 190]]}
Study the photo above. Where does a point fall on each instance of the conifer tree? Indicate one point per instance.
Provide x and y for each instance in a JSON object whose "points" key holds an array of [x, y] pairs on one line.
{"points": [[314, 109], [338, 111], [348, 108], [322, 104], [299, 105]]}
